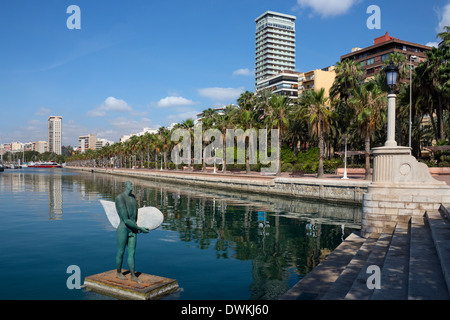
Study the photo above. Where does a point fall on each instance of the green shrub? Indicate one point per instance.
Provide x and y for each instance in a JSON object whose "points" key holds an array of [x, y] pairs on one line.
{"points": [[287, 155], [330, 166], [287, 167], [444, 164]]}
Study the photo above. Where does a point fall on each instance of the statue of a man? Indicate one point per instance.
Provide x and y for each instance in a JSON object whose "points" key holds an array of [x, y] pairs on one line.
{"points": [[127, 230]]}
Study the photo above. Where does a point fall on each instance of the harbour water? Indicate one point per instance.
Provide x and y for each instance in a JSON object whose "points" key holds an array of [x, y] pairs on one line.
{"points": [[217, 244]]}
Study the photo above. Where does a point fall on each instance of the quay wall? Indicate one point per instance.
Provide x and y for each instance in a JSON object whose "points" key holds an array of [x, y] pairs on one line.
{"points": [[334, 190]]}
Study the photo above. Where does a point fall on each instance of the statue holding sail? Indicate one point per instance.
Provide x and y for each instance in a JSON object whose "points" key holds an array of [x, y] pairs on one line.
{"points": [[129, 221]]}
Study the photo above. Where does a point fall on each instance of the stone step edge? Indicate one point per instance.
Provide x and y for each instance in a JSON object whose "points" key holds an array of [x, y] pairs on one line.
{"points": [[344, 282], [426, 281], [316, 283], [440, 232], [395, 270], [359, 289]]}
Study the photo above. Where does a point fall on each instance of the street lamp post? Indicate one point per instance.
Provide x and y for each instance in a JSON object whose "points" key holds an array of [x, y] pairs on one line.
{"points": [[345, 160], [391, 78], [410, 96]]}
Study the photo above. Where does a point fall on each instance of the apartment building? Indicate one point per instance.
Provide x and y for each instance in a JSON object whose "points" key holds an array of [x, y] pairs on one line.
{"points": [[275, 45], [39, 146], [87, 142], [100, 143], [55, 134], [317, 79], [372, 58], [285, 83]]}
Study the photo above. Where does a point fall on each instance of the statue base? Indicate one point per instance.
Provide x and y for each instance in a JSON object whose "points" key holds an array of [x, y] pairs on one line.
{"points": [[151, 288], [401, 188]]}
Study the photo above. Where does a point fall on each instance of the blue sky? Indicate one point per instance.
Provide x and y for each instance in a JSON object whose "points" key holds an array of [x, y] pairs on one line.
{"points": [[145, 63]]}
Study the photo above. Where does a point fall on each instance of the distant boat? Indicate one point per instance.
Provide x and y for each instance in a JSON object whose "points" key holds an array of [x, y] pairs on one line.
{"points": [[2, 167], [48, 164]]}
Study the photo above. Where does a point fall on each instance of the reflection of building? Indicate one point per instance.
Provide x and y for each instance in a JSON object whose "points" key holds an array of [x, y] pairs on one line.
{"points": [[55, 134], [55, 198], [372, 58], [275, 45], [87, 142]]}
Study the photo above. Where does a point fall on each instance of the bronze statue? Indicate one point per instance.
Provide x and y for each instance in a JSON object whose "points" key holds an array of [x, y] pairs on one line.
{"points": [[127, 230]]}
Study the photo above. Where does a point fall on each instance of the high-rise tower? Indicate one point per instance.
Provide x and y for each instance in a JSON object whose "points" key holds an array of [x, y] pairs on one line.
{"points": [[275, 45], [54, 134]]}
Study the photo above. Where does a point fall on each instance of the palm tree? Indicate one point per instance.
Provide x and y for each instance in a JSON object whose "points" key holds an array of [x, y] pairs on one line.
{"points": [[445, 37], [188, 124], [164, 136], [224, 121], [399, 60], [317, 108], [368, 101], [207, 123], [349, 74], [250, 113], [277, 116]]}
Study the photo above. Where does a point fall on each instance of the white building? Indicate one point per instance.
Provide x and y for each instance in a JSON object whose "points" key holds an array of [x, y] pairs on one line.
{"points": [[87, 142], [103, 142], [55, 134], [144, 131], [275, 45]]}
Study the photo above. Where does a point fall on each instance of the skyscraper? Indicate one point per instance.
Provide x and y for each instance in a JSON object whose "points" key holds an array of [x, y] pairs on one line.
{"points": [[275, 45], [54, 134]]}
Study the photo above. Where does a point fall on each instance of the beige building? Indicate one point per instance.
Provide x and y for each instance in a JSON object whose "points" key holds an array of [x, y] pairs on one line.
{"points": [[87, 142], [55, 134], [16, 146], [39, 146], [317, 79]]}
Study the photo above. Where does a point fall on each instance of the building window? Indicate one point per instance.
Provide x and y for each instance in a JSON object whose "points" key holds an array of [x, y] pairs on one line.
{"points": [[362, 63], [385, 56], [370, 61]]}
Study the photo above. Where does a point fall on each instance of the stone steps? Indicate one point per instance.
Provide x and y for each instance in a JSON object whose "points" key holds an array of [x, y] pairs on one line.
{"points": [[412, 261]]}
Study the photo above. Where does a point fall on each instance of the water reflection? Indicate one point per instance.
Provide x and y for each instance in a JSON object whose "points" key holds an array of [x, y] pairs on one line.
{"points": [[282, 238], [29, 180]]}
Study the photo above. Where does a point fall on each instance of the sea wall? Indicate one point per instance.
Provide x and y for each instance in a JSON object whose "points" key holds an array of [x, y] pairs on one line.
{"points": [[335, 190]]}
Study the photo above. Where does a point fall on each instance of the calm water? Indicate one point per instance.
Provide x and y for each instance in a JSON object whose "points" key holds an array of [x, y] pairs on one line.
{"points": [[217, 244]]}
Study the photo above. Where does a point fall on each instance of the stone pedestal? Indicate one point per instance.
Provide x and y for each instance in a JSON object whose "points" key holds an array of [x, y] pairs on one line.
{"points": [[151, 288], [401, 188]]}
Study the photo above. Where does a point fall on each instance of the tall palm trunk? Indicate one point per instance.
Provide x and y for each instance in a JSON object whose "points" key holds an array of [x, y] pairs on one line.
{"points": [[320, 133], [368, 175], [279, 149], [224, 151]]}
